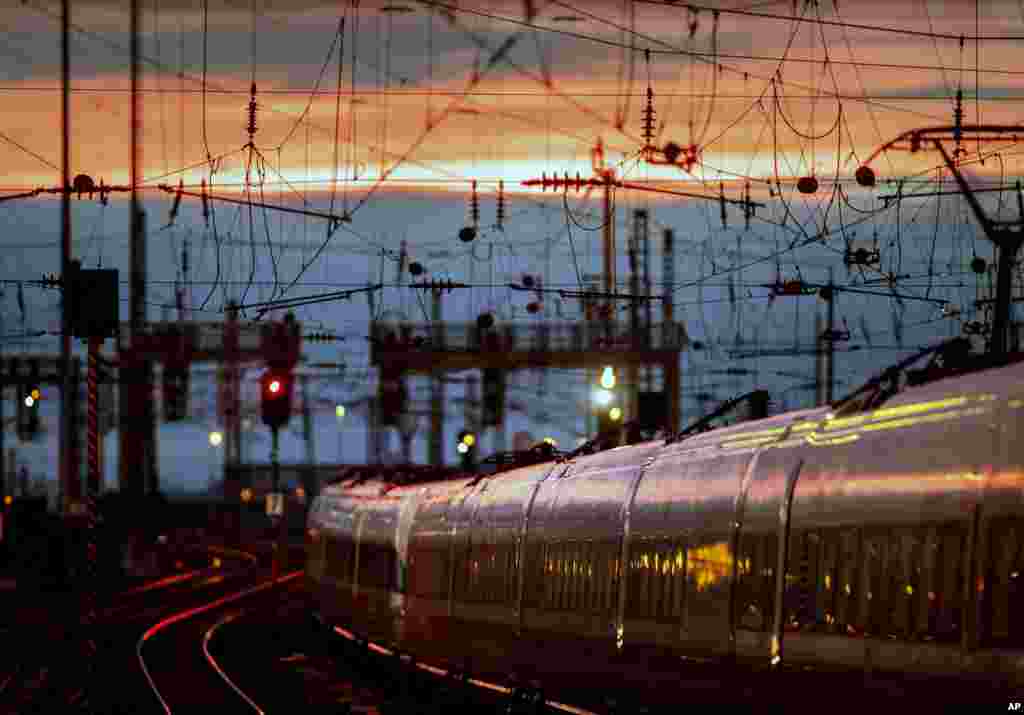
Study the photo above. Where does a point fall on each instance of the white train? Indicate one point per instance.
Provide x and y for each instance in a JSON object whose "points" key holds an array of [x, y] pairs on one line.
{"points": [[880, 545]]}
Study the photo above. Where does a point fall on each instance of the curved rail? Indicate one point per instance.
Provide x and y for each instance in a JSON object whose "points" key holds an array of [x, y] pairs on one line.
{"points": [[216, 666], [191, 612]]}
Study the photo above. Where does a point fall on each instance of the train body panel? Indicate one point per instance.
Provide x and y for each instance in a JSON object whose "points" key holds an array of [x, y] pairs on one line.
{"points": [[869, 544]]}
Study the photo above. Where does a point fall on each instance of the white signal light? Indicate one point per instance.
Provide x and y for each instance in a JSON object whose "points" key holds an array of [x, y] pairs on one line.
{"points": [[608, 378]]}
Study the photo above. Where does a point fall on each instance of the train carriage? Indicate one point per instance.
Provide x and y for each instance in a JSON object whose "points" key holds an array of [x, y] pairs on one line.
{"points": [[879, 546]]}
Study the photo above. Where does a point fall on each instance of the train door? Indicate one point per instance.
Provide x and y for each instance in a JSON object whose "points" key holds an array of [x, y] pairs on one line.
{"points": [[783, 555]]}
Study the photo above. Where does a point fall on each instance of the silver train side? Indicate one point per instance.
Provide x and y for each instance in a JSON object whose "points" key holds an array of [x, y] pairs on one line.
{"points": [[882, 547]]}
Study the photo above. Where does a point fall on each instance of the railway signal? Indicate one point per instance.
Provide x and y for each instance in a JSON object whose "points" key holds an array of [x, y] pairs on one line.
{"points": [[28, 412], [276, 397], [467, 450]]}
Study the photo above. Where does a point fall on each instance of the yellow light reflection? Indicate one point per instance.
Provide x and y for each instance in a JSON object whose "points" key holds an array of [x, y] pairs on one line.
{"points": [[709, 565]]}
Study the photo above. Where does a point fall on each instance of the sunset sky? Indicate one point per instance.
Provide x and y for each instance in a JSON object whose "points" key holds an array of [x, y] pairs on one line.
{"points": [[436, 95], [562, 83]]}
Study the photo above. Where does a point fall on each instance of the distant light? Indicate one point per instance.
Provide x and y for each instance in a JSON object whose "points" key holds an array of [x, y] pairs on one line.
{"points": [[608, 378], [36, 394], [469, 439], [246, 494], [216, 562], [7, 500], [274, 386], [215, 439], [300, 493], [339, 411], [603, 398], [29, 401], [463, 448], [615, 414], [551, 440]]}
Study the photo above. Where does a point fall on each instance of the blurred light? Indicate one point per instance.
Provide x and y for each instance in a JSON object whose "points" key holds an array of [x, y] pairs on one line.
{"points": [[615, 414], [603, 398], [179, 565], [463, 448], [35, 393], [216, 562], [469, 439], [274, 386], [608, 378], [247, 424], [246, 494], [339, 411], [300, 493], [7, 500], [215, 439], [29, 401], [551, 440], [162, 539]]}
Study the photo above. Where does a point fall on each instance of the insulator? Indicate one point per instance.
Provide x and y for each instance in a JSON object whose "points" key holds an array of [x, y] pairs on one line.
{"points": [[958, 117], [206, 202], [467, 234], [748, 208], [978, 265], [527, 280], [865, 176], [721, 203], [416, 268], [501, 205], [807, 185], [252, 111], [648, 118], [177, 202], [474, 206]]}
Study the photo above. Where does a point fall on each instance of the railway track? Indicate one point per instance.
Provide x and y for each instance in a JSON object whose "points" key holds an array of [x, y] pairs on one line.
{"points": [[174, 657]]}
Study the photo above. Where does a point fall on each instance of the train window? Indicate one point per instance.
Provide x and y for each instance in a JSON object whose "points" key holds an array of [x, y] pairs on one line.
{"points": [[848, 613], [576, 581], [558, 582], [678, 554], [606, 554], [825, 587], [800, 597], [637, 579], [1003, 584], [874, 593], [583, 567], [756, 586], [903, 576], [945, 599]]}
